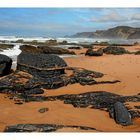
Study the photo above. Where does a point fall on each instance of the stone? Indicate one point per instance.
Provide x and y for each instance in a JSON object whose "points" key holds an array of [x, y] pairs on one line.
{"points": [[137, 53], [55, 50], [43, 110], [5, 65], [4, 46], [43, 128], [34, 91], [115, 50], [44, 49], [75, 47], [42, 65], [121, 114], [91, 52]]}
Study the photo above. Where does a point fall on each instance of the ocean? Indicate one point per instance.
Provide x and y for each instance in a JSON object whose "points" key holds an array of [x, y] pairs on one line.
{"points": [[14, 52]]}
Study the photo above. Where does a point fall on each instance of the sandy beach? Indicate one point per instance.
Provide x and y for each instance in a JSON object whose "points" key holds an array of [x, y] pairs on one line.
{"points": [[125, 68]]}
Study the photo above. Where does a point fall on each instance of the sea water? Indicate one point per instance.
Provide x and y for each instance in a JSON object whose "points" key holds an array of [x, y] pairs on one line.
{"points": [[15, 51]]}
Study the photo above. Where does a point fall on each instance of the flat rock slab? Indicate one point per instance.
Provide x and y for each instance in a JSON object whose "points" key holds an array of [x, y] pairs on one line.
{"points": [[110, 102], [42, 128]]}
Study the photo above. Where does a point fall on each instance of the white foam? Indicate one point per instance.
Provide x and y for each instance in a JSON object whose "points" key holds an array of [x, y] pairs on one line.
{"points": [[12, 52]]}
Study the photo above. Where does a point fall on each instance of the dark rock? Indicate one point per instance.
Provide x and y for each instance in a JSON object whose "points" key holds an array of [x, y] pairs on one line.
{"points": [[137, 107], [121, 114], [42, 128], [137, 52], [43, 110], [41, 65], [134, 113], [5, 65], [29, 49], [44, 49], [136, 43], [54, 50], [102, 100], [76, 48], [115, 50], [6, 46], [87, 46], [34, 91], [64, 42], [90, 52]]}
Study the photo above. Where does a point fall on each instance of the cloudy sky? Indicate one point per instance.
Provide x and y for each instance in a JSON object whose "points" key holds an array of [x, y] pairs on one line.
{"points": [[64, 21]]}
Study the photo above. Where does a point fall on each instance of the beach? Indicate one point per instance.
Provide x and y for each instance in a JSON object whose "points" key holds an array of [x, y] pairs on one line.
{"points": [[125, 68]]}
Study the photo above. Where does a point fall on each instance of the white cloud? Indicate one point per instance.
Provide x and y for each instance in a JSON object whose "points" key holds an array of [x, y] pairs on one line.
{"points": [[112, 16]]}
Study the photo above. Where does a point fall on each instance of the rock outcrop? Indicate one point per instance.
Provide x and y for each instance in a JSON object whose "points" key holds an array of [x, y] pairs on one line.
{"points": [[5, 65], [42, 65], [91, 52], [115, 50], [6, 46], [45, 50], [43, 128]]}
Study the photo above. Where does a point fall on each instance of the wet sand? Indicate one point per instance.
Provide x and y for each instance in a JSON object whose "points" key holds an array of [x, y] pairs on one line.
{"points": [[125, 68]]}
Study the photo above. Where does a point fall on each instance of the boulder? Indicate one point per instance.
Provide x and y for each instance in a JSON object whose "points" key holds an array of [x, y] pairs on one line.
{"points": [[121, 114], [91, 52], [115, 50], [5, 65], [43, 65]]}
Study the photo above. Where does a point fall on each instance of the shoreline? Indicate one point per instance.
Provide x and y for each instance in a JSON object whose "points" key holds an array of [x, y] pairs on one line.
{"points": [[125, 68]]}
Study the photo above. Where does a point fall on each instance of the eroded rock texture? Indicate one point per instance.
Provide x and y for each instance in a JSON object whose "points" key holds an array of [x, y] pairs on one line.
{"points": [[110, 102], [42, 128]]}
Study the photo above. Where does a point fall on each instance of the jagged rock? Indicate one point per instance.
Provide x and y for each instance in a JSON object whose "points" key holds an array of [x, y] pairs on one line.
{"points": [[43, 65], [102, 100], [42, 128], [115, 50], [91, 52], [5, 65], [121, 114]]}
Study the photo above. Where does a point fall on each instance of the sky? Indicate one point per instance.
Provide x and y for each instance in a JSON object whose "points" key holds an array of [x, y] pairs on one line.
{"points": [[58, 22]]}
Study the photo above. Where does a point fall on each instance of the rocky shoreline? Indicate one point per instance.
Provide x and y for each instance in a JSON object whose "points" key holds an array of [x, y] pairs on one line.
{"points": [[40, 68]]}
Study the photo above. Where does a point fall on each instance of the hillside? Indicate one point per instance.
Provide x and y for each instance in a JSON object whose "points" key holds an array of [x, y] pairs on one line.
{"points": [[123, 32]]}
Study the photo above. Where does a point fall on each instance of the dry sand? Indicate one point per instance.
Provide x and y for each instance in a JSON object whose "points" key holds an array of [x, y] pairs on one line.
{"points": [[125, 68]]}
